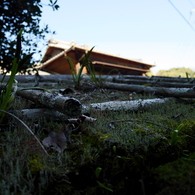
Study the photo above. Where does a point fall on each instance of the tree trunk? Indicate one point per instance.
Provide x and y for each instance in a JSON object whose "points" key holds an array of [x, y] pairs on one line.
{"points": [[168, 92], [66, 105]]}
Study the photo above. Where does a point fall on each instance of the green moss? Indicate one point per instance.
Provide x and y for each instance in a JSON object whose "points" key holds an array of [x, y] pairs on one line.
{"points": [[141, 140], [35, 164], [177, 177]]}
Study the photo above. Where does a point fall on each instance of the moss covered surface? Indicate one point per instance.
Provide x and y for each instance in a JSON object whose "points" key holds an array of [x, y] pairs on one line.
{"points": [[137, 153]]}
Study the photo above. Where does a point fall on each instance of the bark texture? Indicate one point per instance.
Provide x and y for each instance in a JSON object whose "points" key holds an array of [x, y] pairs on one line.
{"points": [[160, 78], [133, 105], [66, 105], [38, 113], [156, 82], [167, 92]]}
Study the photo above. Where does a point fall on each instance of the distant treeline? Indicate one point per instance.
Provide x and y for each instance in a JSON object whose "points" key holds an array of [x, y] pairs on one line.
{"points": [[176, 72]]}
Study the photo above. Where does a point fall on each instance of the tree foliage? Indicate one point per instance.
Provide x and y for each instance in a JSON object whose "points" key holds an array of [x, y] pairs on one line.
{"points": [[14, 16], [175, 72]]}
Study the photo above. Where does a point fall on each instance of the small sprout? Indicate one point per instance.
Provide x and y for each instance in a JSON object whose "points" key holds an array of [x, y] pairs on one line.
{"points": [[123, 157], [114, 149], [175, 137], [97, 171], [105, 187]]}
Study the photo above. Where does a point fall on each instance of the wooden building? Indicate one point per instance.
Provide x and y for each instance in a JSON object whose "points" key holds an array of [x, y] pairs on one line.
{"points": [[54, 60]]}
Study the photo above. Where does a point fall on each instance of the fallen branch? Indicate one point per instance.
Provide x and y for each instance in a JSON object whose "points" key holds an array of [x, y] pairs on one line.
{"points": [[58, 141], [66, 105], [155, 82], [133, 105], [40, 78], [160, 78], [168, 92], [68, 78], [41, 84], [38, 113]]}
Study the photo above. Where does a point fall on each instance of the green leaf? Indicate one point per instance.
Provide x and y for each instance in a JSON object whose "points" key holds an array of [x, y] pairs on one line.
{"points": [[123, 157], [97, 171], [105, 187], [114, 149], [6, 95], [180, 127], [18, 45], [25, 60], [73, 72], [174, 137]]}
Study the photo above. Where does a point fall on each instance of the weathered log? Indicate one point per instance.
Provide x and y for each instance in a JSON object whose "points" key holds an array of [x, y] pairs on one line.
{"points": [[66, 105], [167, 92], [160, 78], [52, 78], [67, 78], [38, 113], [133, 105], [33, 78], [41, 84], [154, 83]]}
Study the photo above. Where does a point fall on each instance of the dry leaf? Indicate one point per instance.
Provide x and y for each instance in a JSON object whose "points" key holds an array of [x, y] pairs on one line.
{"points": [[56, 140]]}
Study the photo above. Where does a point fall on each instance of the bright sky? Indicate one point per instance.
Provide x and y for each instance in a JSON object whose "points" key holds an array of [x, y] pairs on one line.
{"points": [[151, 30]]}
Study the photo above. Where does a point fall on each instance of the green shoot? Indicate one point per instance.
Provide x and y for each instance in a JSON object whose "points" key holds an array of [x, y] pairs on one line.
{"points": [[97, 173], [76, 76], [114, 149], [105, 187], [6, 95], [175, 137], [85, 63]]}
